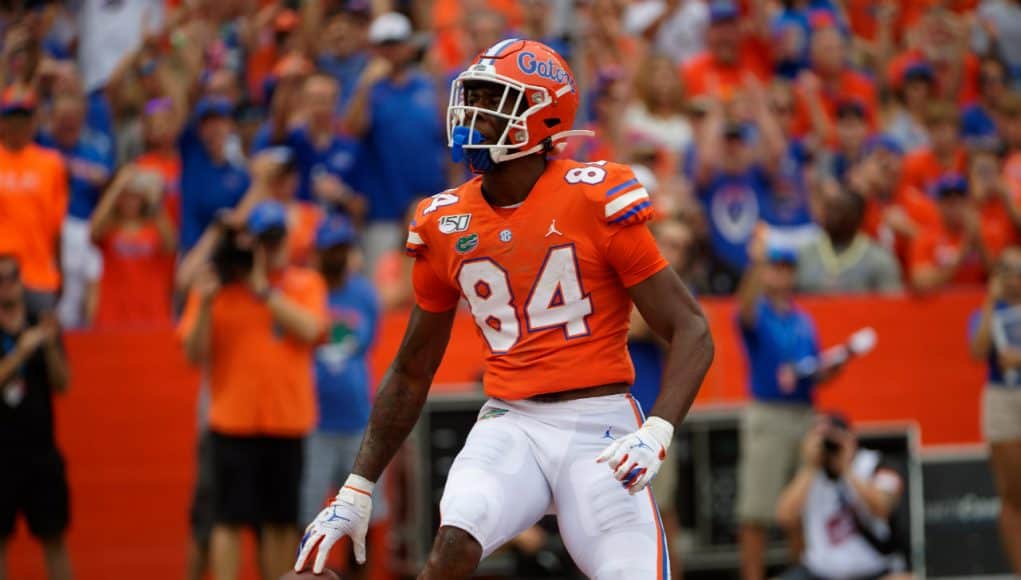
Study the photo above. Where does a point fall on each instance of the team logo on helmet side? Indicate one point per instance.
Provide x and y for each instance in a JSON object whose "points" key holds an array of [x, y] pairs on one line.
{"points": [[550, 69]]}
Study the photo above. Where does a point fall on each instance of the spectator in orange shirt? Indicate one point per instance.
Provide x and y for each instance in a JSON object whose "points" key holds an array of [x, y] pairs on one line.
{"points": [[997, 202], [33, 199], [252, 323], [953, 251], [729, 54], [160, 129], [447, 24], [941, 41], [945, 153], [894, 212], [830, 81], [275, 177], [137, 239]]}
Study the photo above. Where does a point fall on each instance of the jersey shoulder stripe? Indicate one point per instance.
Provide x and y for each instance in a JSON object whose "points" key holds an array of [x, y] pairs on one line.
{"points": [[625, 200]]}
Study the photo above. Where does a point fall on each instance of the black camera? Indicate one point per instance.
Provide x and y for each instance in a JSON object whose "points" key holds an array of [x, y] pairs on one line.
{"points": [[830, 446]]}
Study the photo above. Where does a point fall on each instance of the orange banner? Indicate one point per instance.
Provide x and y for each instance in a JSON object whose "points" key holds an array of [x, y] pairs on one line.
{"points": [[128, 425]]}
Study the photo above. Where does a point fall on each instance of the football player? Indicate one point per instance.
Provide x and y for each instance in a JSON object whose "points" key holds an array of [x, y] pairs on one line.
{"points": [[549, 255]]}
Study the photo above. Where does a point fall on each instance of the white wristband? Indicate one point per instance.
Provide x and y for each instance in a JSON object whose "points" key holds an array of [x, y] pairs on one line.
{"points": [[359, 483], [660, 429]]}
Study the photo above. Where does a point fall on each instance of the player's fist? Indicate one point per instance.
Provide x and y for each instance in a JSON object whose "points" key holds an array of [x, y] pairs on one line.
{"points": [[636, 458], [348, 515]]}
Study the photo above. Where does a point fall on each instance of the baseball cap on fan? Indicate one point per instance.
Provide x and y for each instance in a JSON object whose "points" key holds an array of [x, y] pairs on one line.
{"points": [[723, 11], [17, 101], [390, 28]]}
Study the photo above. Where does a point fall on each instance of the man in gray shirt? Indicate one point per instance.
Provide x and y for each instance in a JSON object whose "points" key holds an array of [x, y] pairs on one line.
{"points": [[843, 259]]}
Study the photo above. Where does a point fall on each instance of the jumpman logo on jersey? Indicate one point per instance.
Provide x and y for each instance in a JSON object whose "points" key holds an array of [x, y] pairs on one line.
{"points": [[607, 434], [553, 229]]}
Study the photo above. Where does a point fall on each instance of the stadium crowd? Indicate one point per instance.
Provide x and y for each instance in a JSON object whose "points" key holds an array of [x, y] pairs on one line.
{"points": [[193, 162]]}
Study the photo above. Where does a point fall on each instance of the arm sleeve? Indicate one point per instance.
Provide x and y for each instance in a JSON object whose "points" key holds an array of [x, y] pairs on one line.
{"points": [[431, 293], [633, 254]]}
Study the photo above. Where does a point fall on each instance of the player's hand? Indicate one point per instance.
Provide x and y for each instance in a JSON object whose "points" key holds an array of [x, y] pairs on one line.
{"points": [[636, 458], [348, 515]]}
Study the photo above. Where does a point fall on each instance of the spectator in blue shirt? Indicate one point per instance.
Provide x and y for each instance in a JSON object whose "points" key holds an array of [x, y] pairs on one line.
{"points": [[342, 375], [978, 120], [88, 170], [1001, 397], [852, 132], [737, 171], [784, 369], [787, 209], [791, 30], [342, 53], [211, 179], [325, 159], [396, 114]]}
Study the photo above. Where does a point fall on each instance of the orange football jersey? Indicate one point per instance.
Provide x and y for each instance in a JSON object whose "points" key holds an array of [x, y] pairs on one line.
{"points": [[545, 281]]}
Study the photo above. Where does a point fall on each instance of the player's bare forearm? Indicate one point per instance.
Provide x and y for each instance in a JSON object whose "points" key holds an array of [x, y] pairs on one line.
{"points": [[674, 315], [403, 390]]}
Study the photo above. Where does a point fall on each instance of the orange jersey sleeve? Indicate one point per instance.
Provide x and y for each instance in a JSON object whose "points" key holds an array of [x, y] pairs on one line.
{"points": [[633, 253], [432, 292]]}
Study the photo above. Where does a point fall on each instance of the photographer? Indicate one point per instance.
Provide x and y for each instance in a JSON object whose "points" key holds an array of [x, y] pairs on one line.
{"points": [[842, 499], [32, 368], [137, 240], [252, 322]]}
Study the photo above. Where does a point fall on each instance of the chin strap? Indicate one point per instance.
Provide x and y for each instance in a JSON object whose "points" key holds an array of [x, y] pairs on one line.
{"points": [[501, 155]]}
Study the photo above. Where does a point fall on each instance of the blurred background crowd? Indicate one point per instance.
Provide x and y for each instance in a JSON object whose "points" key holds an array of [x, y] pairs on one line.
{"points": [[875, 145], [737, 116]]}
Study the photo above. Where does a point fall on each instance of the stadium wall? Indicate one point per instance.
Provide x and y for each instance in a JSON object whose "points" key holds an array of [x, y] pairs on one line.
{"points": [[127, 426]]}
